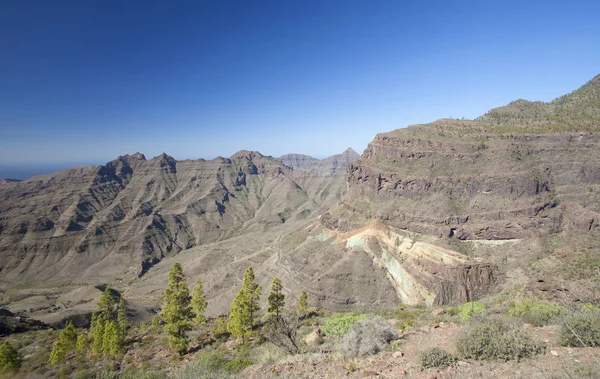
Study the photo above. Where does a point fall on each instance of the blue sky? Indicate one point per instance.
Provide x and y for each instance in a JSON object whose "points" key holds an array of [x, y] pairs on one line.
{"points": [[85, 81]]}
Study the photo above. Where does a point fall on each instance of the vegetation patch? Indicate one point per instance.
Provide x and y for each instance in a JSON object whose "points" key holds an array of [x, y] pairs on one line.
{"points": [[468, 310], [581, 329], [407, 317], [536, 312], [436, 357], [367, 336], [9, 358], [211, 364], [497, 339], [339, 324]]}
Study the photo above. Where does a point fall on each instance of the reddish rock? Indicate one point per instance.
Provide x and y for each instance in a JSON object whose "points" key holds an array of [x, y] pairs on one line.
{"points": [[437, 312], [398, 354], [313, 337]]}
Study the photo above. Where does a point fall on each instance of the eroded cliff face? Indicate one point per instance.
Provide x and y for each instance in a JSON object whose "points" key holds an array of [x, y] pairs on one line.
{"points": [[452, 191], [495, 187], [527, 174], [419, 271], [95, 224]]}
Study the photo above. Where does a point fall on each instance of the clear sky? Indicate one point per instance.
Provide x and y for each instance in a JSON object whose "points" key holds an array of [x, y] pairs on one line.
{"points": [[85, 81]]}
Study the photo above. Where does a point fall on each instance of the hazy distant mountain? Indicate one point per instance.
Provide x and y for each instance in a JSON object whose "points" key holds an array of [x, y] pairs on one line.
{"points": [[333, 165]]}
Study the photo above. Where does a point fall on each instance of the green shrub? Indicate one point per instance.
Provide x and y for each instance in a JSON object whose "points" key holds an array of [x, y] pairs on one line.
{"points": [[581, 329], [536, 312], [590, 307], [64, 371], [497, 339], [467, 310], [9, 358], [338, 324], [237, 365], [367, 336], [407, 317], [436, 357], [212, 364], [211, 361], [268, 353]]}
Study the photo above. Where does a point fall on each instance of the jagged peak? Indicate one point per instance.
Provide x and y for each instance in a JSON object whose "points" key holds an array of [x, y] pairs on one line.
{"points": [[350, 151], [164, 157], [247, 154], [139, 156]]}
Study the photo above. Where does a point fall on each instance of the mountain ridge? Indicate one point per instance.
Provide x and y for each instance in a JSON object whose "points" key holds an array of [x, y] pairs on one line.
{"points": [[438, 213], [333, 165]]}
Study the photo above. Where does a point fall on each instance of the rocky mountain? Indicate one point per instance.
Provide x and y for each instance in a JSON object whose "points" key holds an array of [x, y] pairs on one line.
{"points": [[86, 226], [518, 187], [119, 219], [440, 213], [333, 165]]}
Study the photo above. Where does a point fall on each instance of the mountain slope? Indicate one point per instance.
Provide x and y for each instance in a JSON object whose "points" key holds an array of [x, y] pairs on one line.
{"points": [[522, 193], [440, 213], [117, 220]]}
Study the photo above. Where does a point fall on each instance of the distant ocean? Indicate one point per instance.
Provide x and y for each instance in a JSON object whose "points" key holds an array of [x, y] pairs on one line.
{"points": [[25, 171]]}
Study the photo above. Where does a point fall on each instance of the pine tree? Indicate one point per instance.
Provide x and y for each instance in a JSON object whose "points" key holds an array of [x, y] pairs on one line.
{"points": [[122, 321], [303, 302], [238, 322], [199, 302], [82, 343], [220, 327], [177, 312], [58, 353], [111, 343], [107, 304], [9, 358], [93, 322], [252, 294], [276, 298], [155, 326], [244, 307], [65, 343], [108, 311], [98, 334], [68, 336]]}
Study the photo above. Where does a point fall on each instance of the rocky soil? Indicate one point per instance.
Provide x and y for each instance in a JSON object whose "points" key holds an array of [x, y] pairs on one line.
{"points": [[557, 362]]}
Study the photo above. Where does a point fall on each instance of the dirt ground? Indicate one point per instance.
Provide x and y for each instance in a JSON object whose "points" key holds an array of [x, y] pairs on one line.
{"points": [[557, 362]]}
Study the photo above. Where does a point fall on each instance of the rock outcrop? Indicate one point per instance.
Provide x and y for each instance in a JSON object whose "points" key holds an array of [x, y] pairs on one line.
{"points": [[477, 180], [520, 174], [11, 323]]}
